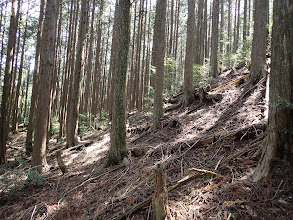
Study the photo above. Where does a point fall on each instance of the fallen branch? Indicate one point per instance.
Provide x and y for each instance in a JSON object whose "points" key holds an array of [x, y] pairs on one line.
{"points": [[230, 83], [173, 107], [195, 108], [205, 171]]}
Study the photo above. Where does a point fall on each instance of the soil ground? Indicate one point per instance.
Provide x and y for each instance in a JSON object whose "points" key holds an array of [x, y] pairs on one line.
{"points": [[90, 191]]}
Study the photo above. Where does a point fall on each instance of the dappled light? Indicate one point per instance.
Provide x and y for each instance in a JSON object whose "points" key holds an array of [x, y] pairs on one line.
{"points": [[166, 109]]}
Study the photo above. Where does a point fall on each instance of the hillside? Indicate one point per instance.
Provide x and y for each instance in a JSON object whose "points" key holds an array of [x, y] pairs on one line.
{"points": [[223, 136]]}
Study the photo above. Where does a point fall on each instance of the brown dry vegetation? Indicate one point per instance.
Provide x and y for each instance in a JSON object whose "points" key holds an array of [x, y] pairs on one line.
{"points": [[234, 128]]}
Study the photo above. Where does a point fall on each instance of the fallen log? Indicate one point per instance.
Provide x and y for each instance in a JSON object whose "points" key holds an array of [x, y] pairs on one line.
{"points": [[230, 83], [231, 135], [237, 134]]}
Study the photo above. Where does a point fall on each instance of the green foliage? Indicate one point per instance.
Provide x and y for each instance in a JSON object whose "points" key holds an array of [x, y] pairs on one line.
{"points": [[200, 76], [242, 56], [34, 178], [55, 125], [140, 117], [173, 76], [88, 122], [12, 180]]}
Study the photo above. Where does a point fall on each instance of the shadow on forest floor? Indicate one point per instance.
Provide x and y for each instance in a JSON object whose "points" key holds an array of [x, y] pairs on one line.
{"points": [[204, 139]]}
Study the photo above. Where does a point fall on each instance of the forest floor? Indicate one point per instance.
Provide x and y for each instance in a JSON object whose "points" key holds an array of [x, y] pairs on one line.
{"points": [[224, 137]]}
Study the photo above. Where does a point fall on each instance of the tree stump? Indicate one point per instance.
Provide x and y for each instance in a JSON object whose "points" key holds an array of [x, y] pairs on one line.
{"points": [[160, 198], [60, 162]]}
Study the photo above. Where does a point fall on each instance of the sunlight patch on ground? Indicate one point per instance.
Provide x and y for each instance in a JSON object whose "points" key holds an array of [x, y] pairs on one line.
{"points": [[99, 146]]}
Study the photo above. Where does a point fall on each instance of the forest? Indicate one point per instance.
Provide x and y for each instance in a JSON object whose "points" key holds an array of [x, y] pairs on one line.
{"points": [[146, 109]]}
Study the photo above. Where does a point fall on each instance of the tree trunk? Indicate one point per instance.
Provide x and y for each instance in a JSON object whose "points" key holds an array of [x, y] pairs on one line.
{"points": [[229, 28], [118, 149], [160, 198], [14, 126], [75, 92], [189, 55], [30, 129], [4, 118], [46, 70], [238, 27], [258, 52], [159, 46], [88, 75], [222, 28], [245, 22], [279, 140], [214, 47]]}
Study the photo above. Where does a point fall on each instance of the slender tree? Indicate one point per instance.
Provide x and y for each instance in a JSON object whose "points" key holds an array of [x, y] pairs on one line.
{"points": [[189, 55], [279, 140], [258, 52], [17, 93], [159, 46], [4, 118], [118, 149], [46, 71], [214, 47], [75, 91], [33, 104]]}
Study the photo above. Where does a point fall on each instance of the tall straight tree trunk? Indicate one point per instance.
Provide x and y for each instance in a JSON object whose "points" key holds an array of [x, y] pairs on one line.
{"points": [[198, 32], [4, 118], [214, 48], [98, 62], [259, 43], [113, 60], [88, 74], [3, 37], [67, 72], [46, 70], [189, 56], [222, 28], [245, 21], [131, 85], [171, 28], [206, 35], [177, 30], [15, 60], [238, 27], [235, 27], [229, 27], [249, 18], [14, 126], [159, 46], [279, 140], [30, 129], [26, 97], [118, 149], [75, 92]]}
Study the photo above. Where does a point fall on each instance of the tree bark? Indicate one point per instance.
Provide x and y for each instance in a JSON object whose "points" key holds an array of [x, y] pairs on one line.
{"points": [[118, 149], [214, 47], [258, 52], [46, 70], [4, 118], [189, 55], [14, 126], [75, 92], [159, 46], [30, 129], [160, 198], [279, 140]]}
